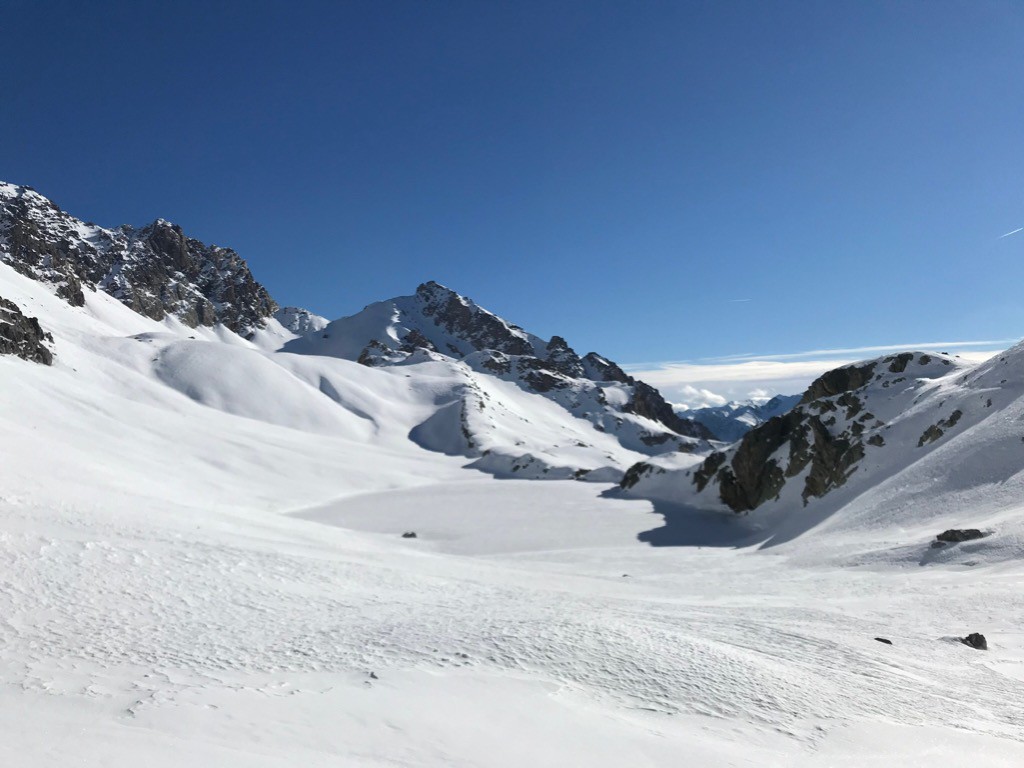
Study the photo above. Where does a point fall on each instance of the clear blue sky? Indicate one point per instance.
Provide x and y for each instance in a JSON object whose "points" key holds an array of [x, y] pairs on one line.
{"points": [[618, 173]]}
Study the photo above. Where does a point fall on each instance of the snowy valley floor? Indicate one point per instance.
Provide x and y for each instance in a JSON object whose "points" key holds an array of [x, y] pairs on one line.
{"points": [[526, 625], [201, 563]]}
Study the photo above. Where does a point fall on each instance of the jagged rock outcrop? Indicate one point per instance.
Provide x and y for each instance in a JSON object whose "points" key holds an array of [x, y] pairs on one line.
{"points": [[474, 326], [819, 447], [813, 449], [156, 270], [648, 402], [23, 336]]}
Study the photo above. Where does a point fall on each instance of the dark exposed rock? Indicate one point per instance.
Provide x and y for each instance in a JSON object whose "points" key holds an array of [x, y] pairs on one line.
{"points": [[416, 340], [22, 336], [538, 376], [899, 363], [463, 319], [635, 473], [832, 461], [839, 380], [975, 640], [652, 440], [600, 369], [884, 640], [648, 402], [563, 359], [496, 363], [155, 270], [935, 431], [955, 535], [707, 469], [754, 476], [930, 435], [371, 354], [409, 535], [758, 467]]}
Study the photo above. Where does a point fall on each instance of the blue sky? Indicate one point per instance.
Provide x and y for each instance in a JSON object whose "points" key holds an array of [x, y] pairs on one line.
{"points": [[654, 181]]}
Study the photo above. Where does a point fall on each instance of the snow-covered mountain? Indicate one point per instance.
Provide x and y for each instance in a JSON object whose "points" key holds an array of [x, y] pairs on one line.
{"points": [[437, 325], [483, 388], [868, 440], [300, 321], [204, 552], [733, 420], [156, 270]]}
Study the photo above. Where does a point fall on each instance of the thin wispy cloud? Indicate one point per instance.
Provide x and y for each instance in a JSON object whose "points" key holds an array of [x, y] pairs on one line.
{"points": [[852, 353], [866, 351], [1014, 232], [738, 301]]}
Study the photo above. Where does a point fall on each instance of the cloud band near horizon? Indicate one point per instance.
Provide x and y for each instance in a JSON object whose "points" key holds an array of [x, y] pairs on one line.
{"points": [[715, 381]]}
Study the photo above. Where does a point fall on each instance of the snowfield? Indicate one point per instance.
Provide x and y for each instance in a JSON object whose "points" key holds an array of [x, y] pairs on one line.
{"points": [[202, 562]]}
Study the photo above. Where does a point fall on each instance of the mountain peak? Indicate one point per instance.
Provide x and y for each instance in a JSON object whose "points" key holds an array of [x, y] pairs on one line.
{"points": [[156, 270], [437, 322]]}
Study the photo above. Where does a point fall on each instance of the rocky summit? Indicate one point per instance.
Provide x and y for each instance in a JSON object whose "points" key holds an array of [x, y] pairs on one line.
{"points": [[438, 323], [156, 270]]}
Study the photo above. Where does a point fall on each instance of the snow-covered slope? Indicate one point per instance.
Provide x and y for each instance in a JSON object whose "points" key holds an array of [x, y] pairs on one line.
{"points": [[866, 445], [201, 560], [733, 420], [595, 399], [300, 321]]}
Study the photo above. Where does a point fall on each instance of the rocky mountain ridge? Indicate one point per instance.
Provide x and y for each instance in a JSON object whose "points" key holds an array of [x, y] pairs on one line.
{"points": [[156, 270], [864, 421], [438, 323], [514, 403]]}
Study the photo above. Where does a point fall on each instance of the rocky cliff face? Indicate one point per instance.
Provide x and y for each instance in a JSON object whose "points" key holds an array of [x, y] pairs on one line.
{"points": [[812, 450], [156, 270], [23, 336]]}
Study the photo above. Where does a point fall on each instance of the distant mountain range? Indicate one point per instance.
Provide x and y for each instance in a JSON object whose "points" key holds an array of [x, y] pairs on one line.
{"points": [[156, 316], [733, 420]]}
